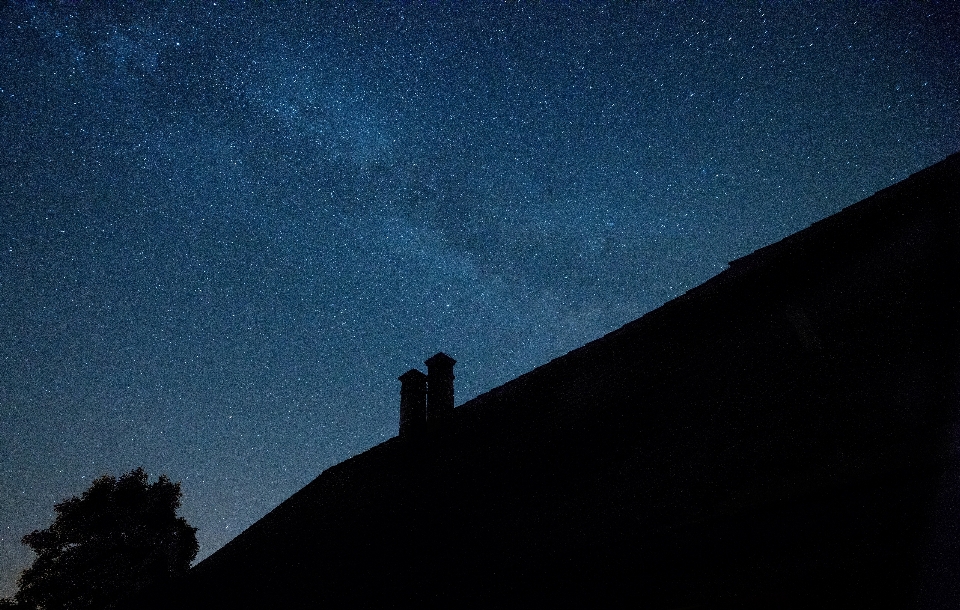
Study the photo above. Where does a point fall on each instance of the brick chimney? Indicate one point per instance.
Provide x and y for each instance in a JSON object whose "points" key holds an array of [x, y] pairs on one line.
{"points": [[439, 386], [413, 402]]}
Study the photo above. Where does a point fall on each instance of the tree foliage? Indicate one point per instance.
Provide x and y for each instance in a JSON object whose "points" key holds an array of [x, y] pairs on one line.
{"points": [[117, 537]]}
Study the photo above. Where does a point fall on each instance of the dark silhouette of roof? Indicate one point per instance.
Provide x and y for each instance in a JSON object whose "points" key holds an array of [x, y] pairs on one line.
{"points": [[781, 436]]}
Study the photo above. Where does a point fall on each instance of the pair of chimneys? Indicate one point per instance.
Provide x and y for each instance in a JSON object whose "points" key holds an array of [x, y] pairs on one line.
{"points": [[426, 398]]}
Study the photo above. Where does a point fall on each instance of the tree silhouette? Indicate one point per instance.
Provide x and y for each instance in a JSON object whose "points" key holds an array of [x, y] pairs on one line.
{"points": [[117, 537]]}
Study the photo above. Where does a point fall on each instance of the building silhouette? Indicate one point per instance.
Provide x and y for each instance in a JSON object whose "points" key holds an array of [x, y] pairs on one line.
{"points": [[784, 435]]}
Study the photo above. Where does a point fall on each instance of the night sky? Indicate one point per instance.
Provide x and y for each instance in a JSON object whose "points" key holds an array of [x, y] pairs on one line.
{"points": [[225, 230]]}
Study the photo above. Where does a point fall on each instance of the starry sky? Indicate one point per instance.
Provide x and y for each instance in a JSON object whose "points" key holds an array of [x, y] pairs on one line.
{"points": [[225, 229]]}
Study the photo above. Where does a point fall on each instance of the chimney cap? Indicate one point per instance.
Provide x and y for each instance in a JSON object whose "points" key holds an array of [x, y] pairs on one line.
{"points": [[413, 374], [439, 359]]}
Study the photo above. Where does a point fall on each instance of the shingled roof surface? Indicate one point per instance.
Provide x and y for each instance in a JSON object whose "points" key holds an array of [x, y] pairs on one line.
{"points": [[780, 434]]}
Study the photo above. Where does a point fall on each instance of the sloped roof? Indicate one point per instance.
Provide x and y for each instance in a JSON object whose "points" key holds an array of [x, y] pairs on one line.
{"points": [[716, 403]]}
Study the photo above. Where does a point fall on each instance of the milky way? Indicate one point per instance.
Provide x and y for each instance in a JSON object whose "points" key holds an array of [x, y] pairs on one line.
{"points": [[226, 230]]}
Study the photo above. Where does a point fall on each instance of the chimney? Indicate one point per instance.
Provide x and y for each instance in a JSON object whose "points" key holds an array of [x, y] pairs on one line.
{"points": [[413, 402], [439, 386]]}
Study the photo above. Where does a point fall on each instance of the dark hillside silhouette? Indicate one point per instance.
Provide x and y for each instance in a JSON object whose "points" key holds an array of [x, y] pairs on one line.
{"points": [[780, 436]]}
